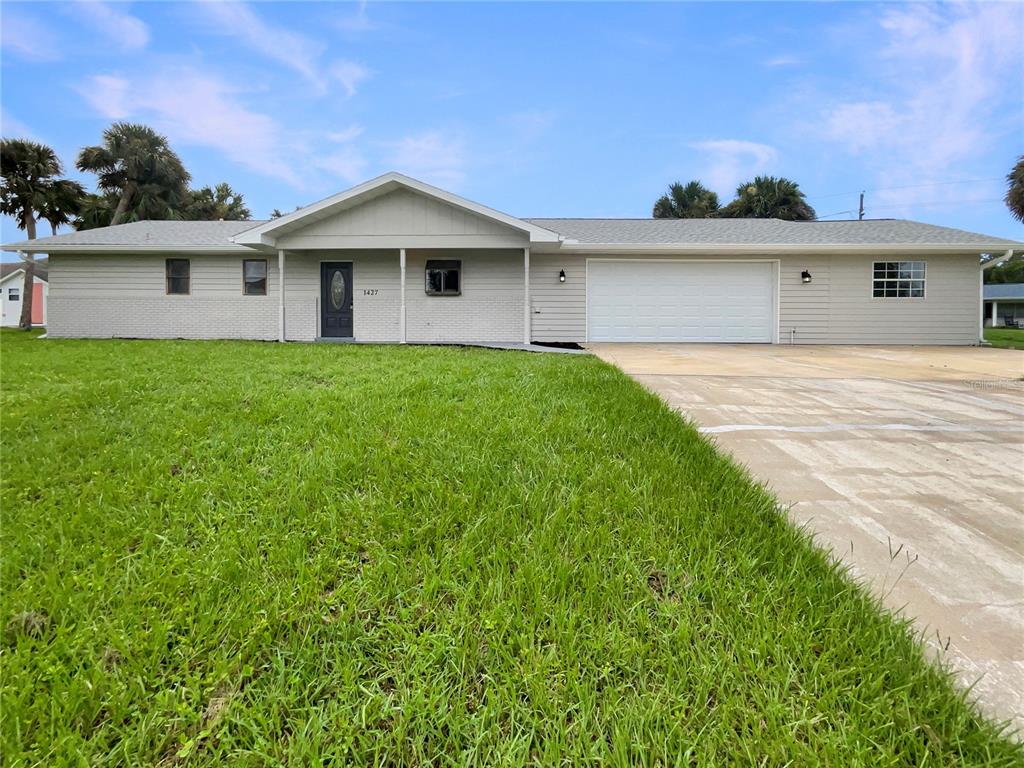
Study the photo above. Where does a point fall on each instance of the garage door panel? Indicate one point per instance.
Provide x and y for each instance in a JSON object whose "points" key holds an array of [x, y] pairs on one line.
{"points": [[680, 301]]}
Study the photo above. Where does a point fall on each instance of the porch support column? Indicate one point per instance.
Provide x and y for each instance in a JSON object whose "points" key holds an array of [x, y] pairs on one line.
{"points": [[401, 294], [280, 295], [995, 315], [526, 296]]}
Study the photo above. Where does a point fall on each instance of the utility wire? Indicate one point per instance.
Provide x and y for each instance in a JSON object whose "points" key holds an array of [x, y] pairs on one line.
{"points": [[906, 186]]}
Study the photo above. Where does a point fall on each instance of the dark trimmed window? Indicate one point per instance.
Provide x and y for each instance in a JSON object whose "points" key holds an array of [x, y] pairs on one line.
{"points": [[254, 277], [14, 294], [444, 278], [178, 276], [898, 280]]}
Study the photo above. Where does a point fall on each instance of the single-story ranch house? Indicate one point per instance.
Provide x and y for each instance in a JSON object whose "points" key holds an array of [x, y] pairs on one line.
{"points": [[397, 260]]}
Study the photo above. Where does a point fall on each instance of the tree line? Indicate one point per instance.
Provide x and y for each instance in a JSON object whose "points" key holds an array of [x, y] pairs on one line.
{"points": [[769, 197], [138, 177]]}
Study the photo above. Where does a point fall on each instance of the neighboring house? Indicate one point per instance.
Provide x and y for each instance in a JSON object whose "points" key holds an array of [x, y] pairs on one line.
{"points": [[1004, 304], [12, 285], [397, 260]]}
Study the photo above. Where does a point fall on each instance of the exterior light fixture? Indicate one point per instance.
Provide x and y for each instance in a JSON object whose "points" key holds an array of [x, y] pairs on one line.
{"points": [[561, 275], [805, 276]]}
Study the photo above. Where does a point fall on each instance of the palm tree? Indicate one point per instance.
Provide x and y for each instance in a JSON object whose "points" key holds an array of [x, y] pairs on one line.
{"points": [[1015, 193], [62, 203], [694, 201], [221, 203], [137, 164], [768, 197], [27, 169], [95, 211]]}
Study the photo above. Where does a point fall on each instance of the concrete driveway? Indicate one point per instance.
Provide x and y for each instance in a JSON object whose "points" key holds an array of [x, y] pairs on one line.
{"points": [[908, 462]]}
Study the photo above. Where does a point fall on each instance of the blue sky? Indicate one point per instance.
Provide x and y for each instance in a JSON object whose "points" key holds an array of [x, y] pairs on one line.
{"points": [[543, 109]]}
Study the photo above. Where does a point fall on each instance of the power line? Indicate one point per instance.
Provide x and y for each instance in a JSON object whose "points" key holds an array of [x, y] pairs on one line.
{"points": [[907, 186]]}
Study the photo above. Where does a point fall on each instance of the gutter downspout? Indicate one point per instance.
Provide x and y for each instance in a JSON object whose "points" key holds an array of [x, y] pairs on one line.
{"points": [[526, 297], [280, 295], [401, 292]]}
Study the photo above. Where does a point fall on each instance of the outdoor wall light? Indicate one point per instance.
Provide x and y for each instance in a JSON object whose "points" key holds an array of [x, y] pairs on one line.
{"points": [[805, 276], [561, 275]]}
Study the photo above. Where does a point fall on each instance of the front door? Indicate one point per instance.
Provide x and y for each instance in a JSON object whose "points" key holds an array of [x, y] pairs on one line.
{"points": [[336, 299]]}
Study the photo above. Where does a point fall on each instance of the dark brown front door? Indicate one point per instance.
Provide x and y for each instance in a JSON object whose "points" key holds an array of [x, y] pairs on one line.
{"points": [[336, 299]]}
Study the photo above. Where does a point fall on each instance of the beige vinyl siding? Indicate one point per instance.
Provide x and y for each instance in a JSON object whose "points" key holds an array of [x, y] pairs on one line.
{"points": [[836, 307], [558, 310], [125, 296], [803, 307], [404, 219], [949, 313], [490, 308]]}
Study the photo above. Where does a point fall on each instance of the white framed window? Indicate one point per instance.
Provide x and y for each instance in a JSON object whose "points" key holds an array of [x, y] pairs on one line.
{"points": [[444, 277], [178, 272], [14, 294], [898, 280], [254, 277]]}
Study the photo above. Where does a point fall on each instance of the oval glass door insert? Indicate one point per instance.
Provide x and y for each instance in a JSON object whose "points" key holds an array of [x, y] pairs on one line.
{"points": [[337, 290]]}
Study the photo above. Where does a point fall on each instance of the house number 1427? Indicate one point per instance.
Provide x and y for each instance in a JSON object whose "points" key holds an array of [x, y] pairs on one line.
{"points": [[369, 291]]}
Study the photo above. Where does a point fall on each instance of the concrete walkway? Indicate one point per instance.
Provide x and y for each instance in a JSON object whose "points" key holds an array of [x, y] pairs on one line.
{"points": [[907, 462]]}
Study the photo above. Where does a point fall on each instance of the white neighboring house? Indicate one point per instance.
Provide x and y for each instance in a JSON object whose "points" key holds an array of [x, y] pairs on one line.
{"points": [[12, 285], [396, 260]]}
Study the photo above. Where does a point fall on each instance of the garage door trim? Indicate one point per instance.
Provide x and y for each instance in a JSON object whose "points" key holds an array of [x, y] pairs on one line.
{"points": [[776, 284]]}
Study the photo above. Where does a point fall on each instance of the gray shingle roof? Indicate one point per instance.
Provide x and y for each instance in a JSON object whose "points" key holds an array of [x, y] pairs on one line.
{"points": [[762, 232], [1004, 291], [172, 234]]}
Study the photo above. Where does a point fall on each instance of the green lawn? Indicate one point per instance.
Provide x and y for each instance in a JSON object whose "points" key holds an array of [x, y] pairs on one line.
{"points": [[1005, 338], [257, 554]]}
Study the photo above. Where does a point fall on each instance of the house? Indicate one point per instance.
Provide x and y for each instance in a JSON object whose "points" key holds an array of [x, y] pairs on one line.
{"points": [[12, 285], [397, 260], [1004, 304]]}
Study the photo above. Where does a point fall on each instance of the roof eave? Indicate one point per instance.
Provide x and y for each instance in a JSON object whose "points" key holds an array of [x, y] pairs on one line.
{"points": [[32, 247], [781, 248]]}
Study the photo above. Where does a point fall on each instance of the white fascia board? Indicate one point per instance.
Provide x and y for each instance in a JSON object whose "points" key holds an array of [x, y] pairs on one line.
{"points": [[997, 260], [199, 250], [777, 248], [259, 235]]}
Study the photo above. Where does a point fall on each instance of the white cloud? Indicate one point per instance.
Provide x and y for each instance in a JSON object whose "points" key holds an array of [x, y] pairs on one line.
{"points": [[783, 60], [295, 51], [357, 22], [348, 164], [194, 108], [429, 156], [13, 128], [346, 135], [349, 74], [946, 82], [730, 162], [28, 38], [109, 95], [126, 31]]}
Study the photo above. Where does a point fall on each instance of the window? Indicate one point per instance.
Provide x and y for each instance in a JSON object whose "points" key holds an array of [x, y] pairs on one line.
{"points": [[14, 294], [254, 277], [898, 280], [178, 281], [444, 278]]}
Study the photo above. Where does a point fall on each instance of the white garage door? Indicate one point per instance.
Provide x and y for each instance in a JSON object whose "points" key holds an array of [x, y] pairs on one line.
{"points": [[680, 301]]}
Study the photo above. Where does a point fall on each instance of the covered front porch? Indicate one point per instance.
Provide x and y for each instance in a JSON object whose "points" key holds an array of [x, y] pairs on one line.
{"points": [[397, 260], [405, 295]]}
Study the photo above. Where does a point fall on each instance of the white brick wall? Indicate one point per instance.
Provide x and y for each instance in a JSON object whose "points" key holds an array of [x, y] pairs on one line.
{"points": [[124, 296], [491, 305]]}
